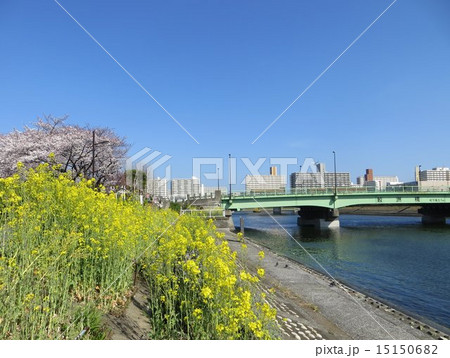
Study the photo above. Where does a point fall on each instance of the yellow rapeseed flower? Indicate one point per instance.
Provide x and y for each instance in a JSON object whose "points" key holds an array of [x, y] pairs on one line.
{"points": [[197, 313], [192, 268], [206, 292]]}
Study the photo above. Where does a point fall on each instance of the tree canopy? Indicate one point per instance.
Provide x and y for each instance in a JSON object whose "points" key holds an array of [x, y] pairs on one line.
{"points": [[91, 152]]}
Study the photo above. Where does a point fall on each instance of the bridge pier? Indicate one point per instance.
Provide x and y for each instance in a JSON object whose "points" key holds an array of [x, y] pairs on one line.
{"points": [[320, 218], [435, 214], [318, 223], [277, 211]]}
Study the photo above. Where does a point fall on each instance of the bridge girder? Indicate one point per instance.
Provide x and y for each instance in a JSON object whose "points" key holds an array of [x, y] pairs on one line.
{"points": [[423, 199]]}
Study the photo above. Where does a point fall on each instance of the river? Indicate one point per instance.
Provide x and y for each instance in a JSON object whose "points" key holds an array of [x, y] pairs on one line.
{"points": [[394, 259]]}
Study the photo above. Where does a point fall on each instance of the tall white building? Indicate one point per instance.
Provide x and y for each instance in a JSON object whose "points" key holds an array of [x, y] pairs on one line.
{"points": [[307, 180], [157, 187], [378, 182], [264, 183], [436, 179], [320, 179], [182, 188], [381, 182], [436, 174]]}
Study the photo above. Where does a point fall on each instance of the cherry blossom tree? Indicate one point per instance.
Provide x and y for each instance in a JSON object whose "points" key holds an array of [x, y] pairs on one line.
{"points": [[90, 152]]}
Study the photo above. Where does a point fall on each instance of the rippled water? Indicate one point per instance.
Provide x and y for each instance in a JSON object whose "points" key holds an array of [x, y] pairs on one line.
{"points": [[395, 259]]}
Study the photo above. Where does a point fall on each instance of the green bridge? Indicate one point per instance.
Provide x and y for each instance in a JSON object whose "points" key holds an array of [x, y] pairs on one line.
{"points": [[320, 207]]}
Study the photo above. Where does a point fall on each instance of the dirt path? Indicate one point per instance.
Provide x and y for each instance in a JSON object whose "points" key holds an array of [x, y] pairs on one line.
{"points": [[133, 323]]}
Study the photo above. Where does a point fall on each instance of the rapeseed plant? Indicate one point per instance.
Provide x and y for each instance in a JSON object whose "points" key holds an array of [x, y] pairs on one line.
{"points": [[68, 253]]}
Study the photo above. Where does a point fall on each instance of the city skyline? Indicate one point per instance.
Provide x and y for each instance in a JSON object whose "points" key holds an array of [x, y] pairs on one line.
{"points": [[315, 175]]}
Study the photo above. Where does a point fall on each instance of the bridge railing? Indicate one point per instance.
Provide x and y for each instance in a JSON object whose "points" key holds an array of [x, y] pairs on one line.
{"points": [[206, 213], [339, 190]]}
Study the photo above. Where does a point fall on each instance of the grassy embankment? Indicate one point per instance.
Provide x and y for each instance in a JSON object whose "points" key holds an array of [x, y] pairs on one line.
{"points": [[68, 254]]}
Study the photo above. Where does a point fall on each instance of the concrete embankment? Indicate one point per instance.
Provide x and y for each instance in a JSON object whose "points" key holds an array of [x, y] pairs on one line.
{"points": [[312, 306]]}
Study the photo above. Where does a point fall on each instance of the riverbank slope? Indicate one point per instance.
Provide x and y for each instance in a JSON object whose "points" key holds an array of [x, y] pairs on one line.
{"points": [[312, 306]]}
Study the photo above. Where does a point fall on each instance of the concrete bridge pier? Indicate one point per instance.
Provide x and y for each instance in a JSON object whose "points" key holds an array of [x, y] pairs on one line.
{"points": [[320, 218], [277, 211], [435, 214]]}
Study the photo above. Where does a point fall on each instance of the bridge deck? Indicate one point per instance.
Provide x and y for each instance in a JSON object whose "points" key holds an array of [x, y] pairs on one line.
{"points": [[325, 197]]}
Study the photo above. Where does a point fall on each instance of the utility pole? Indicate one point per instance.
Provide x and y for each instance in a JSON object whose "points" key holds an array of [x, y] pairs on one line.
{"points": [[93, 151], [335, 174], [93, 154], [229, 172], [218, 178]]}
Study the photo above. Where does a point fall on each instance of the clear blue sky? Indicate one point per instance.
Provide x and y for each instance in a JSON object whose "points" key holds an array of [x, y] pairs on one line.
{"points": [[226, 69]]}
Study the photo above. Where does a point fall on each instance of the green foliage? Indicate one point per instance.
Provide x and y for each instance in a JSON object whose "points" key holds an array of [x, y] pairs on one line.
{"points": [[137, 179], [175, 206]]}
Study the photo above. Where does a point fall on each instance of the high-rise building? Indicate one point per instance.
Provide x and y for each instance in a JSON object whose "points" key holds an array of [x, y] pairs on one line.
{"points": [[379, 182], [308, 180], [369, 175], [436, 174], [360, 180], [435, 179], [265, 183], [319, 179], [157, 187], [182, 188]]}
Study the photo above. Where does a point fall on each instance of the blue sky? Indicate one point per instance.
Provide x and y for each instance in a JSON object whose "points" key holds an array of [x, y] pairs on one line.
{"points": [[226, 69]]}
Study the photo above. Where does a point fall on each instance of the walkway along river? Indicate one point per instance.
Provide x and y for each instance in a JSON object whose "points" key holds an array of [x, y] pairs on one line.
{"points": [[394, 259]]}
